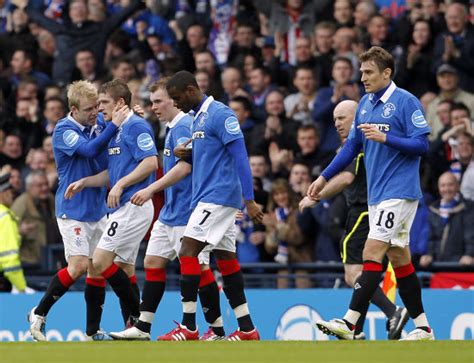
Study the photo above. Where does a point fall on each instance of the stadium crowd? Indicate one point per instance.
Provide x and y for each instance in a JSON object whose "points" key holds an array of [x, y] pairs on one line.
{"points": [[282, 66]]}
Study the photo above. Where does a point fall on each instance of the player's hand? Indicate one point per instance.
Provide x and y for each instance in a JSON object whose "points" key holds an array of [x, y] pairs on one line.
{"points": [[119, 115], [254, 211], [426, 260], [140, 197], [306, 202], [139, 110], [113, 200], [466, 260], [182, 151], [74, 188], [372, 132], [315, 188], [239, 216]]}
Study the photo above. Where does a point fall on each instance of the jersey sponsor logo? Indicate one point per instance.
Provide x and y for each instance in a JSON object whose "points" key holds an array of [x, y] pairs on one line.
{"points": [[114, 150], [198, 135], [202, 118], [381, 127], [418, 119], [145, 142], [166, 152], [388, 110], [70, 138], [232, 125]]}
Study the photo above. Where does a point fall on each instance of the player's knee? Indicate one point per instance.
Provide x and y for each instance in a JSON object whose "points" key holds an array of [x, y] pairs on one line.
{"points": [[349, 278], [77, 268], [99, 265], [154, 262]]}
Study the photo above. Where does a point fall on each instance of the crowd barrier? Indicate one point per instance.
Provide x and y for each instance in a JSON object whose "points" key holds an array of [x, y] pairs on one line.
{"points": [[278, 314]]}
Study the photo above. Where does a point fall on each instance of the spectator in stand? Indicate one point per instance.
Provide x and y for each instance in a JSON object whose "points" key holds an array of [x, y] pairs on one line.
{"points": [[50, 170], [260, 86], [243, 109], [451, 228], [54, 110], [291, 19], [328, 97], [378, 35], [324, 52], [456, 46], [299, 106], [189, 42], [123, 68], [77, 32], [284, 238], [205, 61], [35, 211], [12, 152], [203, 80], [259, 166], [299, 179], [464, 157], [364, 11], [22, 65], [344, 40], [231, 79], [448, 82], [310, 154], [414, 68], [47, 45], [86, 66], [343, 13], [244, 43]]}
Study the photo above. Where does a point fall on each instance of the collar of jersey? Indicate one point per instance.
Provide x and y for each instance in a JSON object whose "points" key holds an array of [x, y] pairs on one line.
{"points": [[204, 106], [130, 114], [70, 118], [386, 94], [175, 120]]}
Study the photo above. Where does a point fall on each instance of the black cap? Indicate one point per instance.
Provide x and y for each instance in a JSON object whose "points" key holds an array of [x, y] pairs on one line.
{"points": [[5, 182], [446, 68]]}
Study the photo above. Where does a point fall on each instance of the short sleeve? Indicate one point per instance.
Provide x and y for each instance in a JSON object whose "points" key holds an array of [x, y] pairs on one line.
{"points": [[414, 118], [226, 126], [180, 135], [140, 141], [68, 139]]}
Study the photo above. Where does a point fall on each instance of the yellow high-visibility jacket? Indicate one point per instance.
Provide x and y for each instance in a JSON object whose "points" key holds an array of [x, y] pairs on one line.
{"points": [[10, 241]]}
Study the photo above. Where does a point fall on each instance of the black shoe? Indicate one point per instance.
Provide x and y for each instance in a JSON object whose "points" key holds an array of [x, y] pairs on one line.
{"points": [[396, 323]]}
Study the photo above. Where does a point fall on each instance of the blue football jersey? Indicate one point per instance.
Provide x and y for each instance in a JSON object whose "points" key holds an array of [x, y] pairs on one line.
{"points": [[132, 143], [215, 178], [88, 205], [177, 208], [391, 174]]}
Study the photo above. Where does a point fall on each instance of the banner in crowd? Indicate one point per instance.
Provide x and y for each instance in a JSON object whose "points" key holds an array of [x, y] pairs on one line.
{"points": [[278, 314], [452, 280]]}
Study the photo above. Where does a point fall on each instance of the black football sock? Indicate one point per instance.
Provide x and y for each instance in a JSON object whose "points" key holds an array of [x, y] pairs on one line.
{"points": [[190, 277], [153, 290], [94, 295], [210, 301], [59, 284]]}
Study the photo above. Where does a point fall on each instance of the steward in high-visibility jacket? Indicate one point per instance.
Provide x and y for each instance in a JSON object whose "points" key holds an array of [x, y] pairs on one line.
{"points": [[10, 240]]}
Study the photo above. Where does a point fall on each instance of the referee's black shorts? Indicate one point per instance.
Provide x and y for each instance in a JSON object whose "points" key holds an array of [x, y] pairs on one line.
{"points": [[357, 230]]}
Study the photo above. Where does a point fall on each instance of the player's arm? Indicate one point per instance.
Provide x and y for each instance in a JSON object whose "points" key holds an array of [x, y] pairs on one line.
{"points": [[239, 153], [181, 170], [332, 188], [93, 181], [147, 166], [92, 148], [348, 152]]}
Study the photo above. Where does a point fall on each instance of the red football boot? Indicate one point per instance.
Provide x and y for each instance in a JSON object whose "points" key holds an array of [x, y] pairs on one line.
{"points": [[180, 333]]}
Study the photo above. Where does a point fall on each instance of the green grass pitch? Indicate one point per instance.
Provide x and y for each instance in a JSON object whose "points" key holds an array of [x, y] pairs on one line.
{"points": [[241, 352]]}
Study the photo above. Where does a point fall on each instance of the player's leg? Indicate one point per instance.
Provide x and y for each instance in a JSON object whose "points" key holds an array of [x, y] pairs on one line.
{"points": [[130, 271], [409, 289], [58, 286], [103, 262], [210, 300], [94, 294], [76, 250], [234, 290]]}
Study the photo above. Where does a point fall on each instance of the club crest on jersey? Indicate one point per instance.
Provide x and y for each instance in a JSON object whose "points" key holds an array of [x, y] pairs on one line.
{"points": [[388, 110], [77, 231], [202, 118]]}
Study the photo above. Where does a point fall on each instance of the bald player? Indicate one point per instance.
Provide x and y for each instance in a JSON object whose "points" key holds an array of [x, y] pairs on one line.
{"points": [[352, 182]]}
